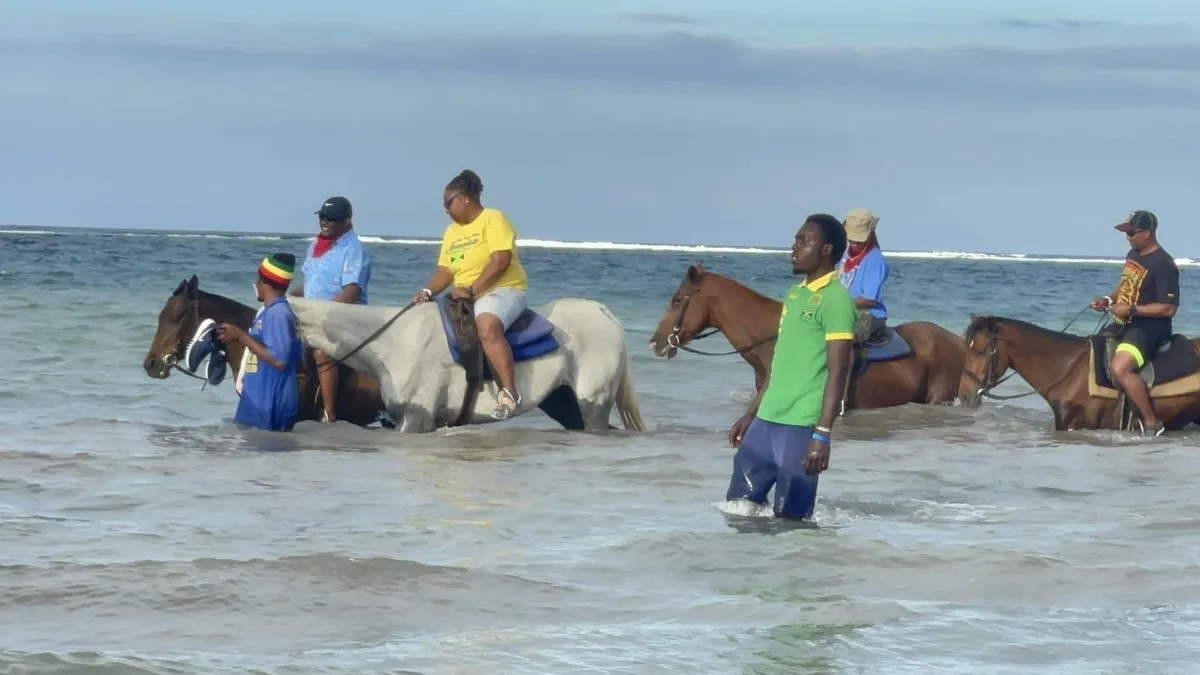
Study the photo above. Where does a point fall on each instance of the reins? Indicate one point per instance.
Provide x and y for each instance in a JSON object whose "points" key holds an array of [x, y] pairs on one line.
{"points": [[674, 342], [985, 389], [333, 362]]}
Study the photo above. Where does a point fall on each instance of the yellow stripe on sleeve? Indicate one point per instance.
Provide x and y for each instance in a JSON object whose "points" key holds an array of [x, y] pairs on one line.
{"points": [[830, 337]]}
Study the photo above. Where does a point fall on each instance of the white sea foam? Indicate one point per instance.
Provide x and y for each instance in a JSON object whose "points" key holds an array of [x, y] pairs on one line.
{"points": [[609, 246]]}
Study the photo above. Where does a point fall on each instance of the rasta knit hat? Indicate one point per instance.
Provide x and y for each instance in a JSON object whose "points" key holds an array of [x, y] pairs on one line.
{"points": [[278, 268]]}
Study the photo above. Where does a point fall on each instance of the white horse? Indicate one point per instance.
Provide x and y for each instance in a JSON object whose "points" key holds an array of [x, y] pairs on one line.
{"points": [[423, 389]]}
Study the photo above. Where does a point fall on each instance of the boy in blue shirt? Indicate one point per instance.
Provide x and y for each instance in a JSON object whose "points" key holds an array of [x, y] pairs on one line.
{"points": [[269, 397]]}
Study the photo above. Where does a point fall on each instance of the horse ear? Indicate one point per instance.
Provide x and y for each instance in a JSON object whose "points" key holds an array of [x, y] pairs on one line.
{"points": [[973, 317], [192, 285], [180, 288], [694, 272]]}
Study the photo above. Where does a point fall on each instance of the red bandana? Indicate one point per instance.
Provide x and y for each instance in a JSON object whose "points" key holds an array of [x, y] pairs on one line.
{"points": [[322, 245], [852, 261]]}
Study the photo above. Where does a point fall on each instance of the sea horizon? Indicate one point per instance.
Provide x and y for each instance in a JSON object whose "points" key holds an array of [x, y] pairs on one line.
{"points": [[597, 245]]}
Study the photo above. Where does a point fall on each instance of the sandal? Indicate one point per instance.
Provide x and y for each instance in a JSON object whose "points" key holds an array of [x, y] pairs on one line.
{"points": [[506, 405]]}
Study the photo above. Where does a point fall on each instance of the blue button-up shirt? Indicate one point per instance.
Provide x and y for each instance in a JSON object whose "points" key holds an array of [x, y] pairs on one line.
{"points": [[345, 263], [866, 280], [269, 398]]}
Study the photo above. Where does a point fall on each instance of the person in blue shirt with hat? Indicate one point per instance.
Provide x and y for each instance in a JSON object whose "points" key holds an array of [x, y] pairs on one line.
{"points": [[338, 269], [268, 396]]}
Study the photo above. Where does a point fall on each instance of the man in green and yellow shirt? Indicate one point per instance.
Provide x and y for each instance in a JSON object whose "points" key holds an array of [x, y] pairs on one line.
{"points": [[783, 440]]}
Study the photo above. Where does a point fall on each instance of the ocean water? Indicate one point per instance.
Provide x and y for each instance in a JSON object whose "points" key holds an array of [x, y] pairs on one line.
{"points": [[140, 532]]}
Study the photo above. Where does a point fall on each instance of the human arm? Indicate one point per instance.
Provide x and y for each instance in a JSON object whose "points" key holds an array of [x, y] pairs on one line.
{"points": [[297, 290], [1105, 301], [442, 275], [441, 278], [739, 427], [872, 272], [278, 333], [1164, 301], [497, 263], [838, 319], [356, 271]]}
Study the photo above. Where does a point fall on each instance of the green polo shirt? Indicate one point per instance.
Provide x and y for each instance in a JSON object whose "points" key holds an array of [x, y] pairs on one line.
{"points": [[813, 314]]}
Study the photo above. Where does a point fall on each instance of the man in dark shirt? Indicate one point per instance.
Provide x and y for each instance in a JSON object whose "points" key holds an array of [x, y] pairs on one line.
{"points": [[1144, 303]]}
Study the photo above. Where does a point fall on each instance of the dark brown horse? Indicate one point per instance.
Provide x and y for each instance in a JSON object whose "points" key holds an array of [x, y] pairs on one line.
{"points": [[359, 401], [750, 322], [1063, 369]]}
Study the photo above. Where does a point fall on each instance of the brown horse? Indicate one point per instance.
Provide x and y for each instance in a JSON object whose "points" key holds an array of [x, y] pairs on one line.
{"points": [[359, 401], [1070, 372], [930, 372]]}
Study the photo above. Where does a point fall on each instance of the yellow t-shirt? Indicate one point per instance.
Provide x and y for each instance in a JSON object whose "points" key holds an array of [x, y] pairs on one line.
{"points": [[466, 250]]}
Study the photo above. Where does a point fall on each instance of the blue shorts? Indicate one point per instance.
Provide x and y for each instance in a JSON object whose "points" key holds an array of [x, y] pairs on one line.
{"points": [[773, 455]]}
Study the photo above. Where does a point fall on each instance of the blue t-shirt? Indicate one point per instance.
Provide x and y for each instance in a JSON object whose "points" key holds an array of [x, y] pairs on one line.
{"points": [[345, 263], [269, 398], [866, 280]]}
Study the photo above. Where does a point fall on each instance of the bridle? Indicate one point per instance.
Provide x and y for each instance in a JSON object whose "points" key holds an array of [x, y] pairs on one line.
{"points": [[674, 341], [171, 359], [991, 379]]}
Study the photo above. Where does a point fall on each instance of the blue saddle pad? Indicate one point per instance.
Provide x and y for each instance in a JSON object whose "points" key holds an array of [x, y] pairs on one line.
{"points": [[895, 347], [530, 336]]}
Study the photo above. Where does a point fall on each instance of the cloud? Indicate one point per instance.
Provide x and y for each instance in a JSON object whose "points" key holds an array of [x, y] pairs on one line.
{"points": [[1160, 75], [1055, 24], [660, 19]]}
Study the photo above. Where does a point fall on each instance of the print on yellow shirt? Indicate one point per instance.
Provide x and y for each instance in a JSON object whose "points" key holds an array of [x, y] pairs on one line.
{"points": [[466, 250]]}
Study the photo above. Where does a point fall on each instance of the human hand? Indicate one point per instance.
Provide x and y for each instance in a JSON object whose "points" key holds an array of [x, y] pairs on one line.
{"points": [[738, 430], [460, 294], [816, 459], [1101, 303], [229, 333], [421, 297], [1120, 311]]}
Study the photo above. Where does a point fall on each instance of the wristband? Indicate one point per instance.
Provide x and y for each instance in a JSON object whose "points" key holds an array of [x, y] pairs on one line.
{"points": [[821, 437], [428, 293], [823, 430], [1132, 311]]}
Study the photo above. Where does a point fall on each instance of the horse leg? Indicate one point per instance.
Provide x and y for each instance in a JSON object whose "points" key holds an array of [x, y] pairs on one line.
{"points": [[412, 419], [563, 407]]}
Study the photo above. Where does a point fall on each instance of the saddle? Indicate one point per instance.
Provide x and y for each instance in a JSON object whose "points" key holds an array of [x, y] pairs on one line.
{"points": [[886, 345], [460, 317], [530, 336], [1173, 370]]}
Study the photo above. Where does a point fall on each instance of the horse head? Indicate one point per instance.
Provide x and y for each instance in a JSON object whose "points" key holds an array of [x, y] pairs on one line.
{"points": [[687, 314], [987, 359], [177, 323]]}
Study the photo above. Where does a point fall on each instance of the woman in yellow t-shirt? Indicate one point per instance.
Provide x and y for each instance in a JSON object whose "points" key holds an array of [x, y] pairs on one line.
{"points": [[479, 258]]}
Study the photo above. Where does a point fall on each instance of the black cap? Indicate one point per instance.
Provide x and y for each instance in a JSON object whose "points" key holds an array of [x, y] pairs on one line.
{"points": [[1138, 221], [335, 208]]}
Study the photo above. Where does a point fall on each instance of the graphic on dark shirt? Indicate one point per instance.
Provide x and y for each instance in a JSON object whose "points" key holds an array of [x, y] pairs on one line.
{"points": [[1147, 279]]}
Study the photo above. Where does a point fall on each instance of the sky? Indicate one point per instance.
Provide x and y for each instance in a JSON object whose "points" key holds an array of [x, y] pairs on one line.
{"points": [[1015, 127]]}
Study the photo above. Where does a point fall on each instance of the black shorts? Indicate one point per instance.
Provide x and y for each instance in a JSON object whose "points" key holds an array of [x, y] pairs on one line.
{"points": [[1142, 340]]}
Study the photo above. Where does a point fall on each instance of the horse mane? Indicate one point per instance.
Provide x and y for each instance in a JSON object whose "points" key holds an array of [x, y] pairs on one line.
{"points": [[730, 281], [233, 307], [992, 324]]}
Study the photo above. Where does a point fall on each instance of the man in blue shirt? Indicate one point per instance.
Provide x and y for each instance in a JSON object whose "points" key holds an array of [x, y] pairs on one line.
{"points": [[269, 399], [337, 268], [863, 272]]}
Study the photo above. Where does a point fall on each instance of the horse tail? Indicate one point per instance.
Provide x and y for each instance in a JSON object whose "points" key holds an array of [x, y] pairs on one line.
{"points": [[627, 404]]}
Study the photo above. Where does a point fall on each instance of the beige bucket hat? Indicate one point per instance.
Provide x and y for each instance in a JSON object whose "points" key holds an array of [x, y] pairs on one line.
{"points": [[859, 224]]}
